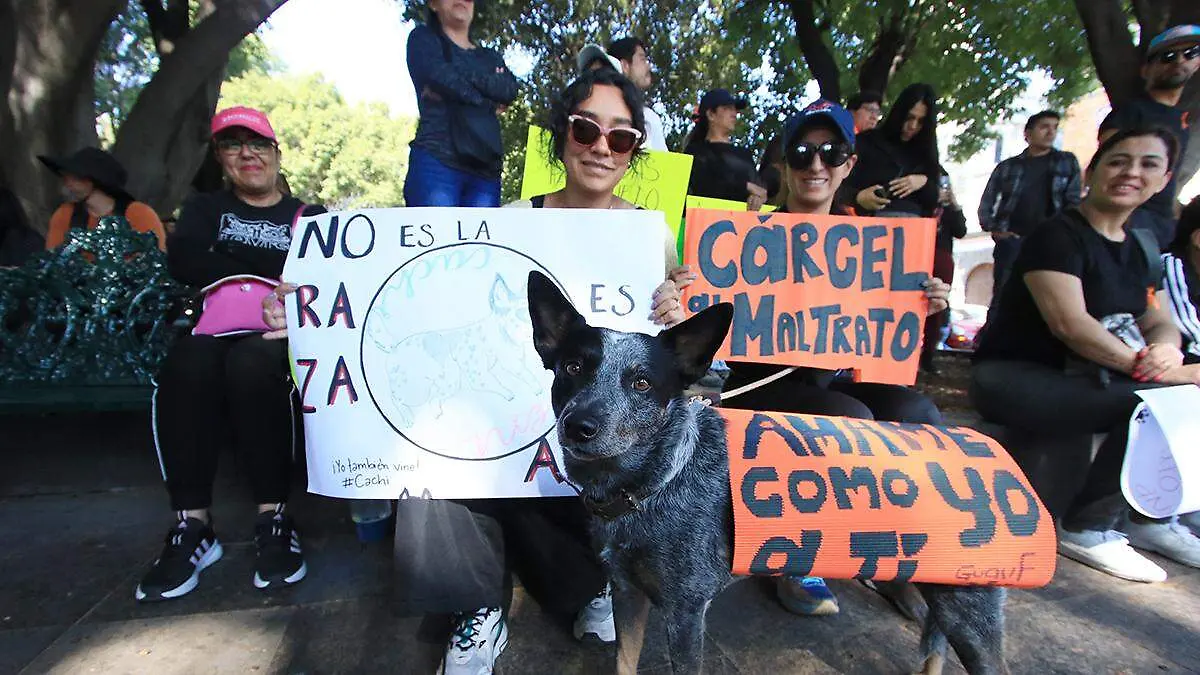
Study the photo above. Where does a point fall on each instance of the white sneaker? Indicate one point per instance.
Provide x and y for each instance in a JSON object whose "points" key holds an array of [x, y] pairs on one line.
{"points": [[597, 618], [1170, 539], [1191, 521], [1109, 552], [477, 642]]}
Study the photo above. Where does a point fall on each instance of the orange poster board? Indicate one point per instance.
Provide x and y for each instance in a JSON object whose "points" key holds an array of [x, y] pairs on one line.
{"points": [[822, 291], [857, 499]]}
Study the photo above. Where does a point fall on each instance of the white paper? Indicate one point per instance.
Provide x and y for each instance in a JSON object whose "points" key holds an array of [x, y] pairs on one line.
{"points": [[1161, 473], [452, 399]]}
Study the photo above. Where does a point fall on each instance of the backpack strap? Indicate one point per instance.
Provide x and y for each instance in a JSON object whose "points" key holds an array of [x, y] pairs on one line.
{"points": [[1149, 247]]}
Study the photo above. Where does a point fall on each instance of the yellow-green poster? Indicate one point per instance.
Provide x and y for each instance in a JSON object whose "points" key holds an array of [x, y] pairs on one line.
{"points": [[658, 182]]}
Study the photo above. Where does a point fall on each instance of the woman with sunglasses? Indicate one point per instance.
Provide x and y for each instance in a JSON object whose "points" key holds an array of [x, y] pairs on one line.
{"points": [[215, 390], [818, 155], [461, 87], [720, 169], [897, 171], [457, 557]]}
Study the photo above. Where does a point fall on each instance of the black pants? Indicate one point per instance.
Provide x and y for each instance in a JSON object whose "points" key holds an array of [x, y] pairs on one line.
{"points": [[459, 555], [212, 391], [1047, 401], [817, 393], [1004, 254]]}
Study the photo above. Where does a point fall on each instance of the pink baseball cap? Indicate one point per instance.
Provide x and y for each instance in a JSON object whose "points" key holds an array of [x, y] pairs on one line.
{"points": [[241, 116]]}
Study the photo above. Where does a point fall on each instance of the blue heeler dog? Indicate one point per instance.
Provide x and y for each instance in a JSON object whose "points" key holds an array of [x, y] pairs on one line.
{"points": [[654, 472]]}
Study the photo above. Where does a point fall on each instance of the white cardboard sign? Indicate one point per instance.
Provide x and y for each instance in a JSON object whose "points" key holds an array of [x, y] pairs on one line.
{"points": [[411, 344], [1161, 473]]}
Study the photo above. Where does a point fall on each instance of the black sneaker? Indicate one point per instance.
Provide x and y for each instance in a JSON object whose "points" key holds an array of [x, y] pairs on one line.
{"points": [[191, 546], [280, 562]]}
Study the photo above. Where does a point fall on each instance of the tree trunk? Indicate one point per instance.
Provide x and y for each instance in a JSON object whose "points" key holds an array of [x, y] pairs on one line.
{"points": [[163, 140], [50, 65], [1118, 61], [816, 53]]}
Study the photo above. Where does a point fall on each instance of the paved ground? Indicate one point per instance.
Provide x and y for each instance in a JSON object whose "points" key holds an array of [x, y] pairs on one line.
{"points": [[82, 513]]}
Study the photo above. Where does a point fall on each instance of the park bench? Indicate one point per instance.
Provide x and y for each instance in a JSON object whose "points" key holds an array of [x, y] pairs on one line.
{"points": [[85, 326]]}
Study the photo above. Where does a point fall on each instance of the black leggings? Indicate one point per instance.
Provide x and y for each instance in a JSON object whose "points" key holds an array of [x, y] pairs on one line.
{"points": [[216, 390], [1048, 402], [459, 555]]}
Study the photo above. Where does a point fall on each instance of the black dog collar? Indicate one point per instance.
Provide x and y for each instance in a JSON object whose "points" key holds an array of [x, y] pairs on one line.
{"points": [[624, 503]]}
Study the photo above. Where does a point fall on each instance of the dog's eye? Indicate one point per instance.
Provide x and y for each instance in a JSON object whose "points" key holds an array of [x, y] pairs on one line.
{"points": [[641, 385], [573, 368]]}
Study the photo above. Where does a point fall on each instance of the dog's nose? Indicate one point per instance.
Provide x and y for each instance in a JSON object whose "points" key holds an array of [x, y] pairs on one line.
{"points": [[580, 428]]}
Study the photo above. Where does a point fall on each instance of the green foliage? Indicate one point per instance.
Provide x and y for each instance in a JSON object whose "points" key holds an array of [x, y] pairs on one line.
{"points": [[978, 54], [340, 155], [682, 43]]}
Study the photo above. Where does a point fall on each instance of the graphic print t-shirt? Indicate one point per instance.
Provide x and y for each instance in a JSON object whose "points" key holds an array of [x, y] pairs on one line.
{"points": [[219, 235]]}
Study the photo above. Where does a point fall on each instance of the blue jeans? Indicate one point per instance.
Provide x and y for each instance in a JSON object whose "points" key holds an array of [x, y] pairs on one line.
{"points": [[432, 183]]}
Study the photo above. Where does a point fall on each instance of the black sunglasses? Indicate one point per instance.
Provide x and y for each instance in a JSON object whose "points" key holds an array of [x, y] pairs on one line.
{"points": [[587, 132], [1170, 57], [233, 146], [801, 155]]}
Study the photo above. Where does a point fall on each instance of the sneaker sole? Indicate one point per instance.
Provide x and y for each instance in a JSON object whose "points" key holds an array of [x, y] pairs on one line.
{"points": [[213, 555], [1083, 559], [1153, 548], [296, 576]]}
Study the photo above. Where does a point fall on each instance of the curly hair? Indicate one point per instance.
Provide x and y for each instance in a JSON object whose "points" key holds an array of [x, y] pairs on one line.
{"points": [[568, 101]]}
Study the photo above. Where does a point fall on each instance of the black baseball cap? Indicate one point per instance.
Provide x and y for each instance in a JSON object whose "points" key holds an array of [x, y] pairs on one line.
{"points": [[716, 98]]}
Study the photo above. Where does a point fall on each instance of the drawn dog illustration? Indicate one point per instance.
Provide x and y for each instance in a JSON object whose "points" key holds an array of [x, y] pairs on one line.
{"points": [[487, 355], [654, 471]]}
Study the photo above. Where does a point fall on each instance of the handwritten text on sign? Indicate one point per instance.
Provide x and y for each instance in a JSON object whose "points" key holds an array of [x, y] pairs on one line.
{"points": [[844, 498], [822, 291], [412, 347]]}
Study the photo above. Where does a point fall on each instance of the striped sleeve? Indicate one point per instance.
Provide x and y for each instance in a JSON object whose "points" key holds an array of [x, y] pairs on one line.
{"points": [[1184, 312]]}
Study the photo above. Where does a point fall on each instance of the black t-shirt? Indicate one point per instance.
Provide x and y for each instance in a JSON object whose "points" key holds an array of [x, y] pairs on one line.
{"points": [[1115, 276], [721, 171], [1143, 112], [1033, 201], [219, 235]]}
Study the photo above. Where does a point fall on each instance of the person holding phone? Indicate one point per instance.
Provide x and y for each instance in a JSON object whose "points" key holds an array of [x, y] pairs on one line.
{"points": [[897, 171]]}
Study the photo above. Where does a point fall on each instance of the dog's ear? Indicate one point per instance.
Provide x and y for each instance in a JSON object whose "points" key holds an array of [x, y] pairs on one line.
{"points": [[552, 315], [695, 341]]}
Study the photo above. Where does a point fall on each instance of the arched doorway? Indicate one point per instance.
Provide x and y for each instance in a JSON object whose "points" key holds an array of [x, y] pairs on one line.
{"points": [[979, 285]]}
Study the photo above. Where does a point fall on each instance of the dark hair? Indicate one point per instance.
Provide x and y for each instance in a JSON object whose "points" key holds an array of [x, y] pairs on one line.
{"points": [[626, 47], [926, 139], [1162, 133], [861, 98], [1189, 222], [580, 90], [768, 168], [1038, 117]]}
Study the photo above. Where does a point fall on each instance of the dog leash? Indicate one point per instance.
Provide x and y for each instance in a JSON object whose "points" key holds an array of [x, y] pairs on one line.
{"points": [[761, 383]]}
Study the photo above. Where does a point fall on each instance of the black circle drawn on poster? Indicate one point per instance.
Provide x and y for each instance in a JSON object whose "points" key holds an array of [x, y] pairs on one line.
{"points": [[363, 339]]}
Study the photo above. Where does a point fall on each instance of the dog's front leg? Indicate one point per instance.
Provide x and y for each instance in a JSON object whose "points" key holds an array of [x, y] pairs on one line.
{"points": [[631, 611], [685, 636]]}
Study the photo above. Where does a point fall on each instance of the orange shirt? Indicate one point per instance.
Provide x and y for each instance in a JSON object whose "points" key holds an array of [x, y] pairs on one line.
{"points": [[140, 216]]}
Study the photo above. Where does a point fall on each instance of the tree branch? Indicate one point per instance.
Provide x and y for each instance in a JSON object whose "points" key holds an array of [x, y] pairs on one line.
{"points": [[817, 55]]}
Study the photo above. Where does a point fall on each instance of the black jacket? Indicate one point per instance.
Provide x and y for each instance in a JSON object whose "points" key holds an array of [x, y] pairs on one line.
{"points": [[879, 162]]}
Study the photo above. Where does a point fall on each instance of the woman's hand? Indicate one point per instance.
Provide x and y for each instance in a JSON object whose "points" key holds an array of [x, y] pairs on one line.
{"points": [[1155, 361], [906, 185], [937, 292], [758, 196], [666, 308], [682, 276], [273, 313], [1181, 375], [869, 199]]}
